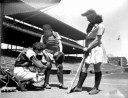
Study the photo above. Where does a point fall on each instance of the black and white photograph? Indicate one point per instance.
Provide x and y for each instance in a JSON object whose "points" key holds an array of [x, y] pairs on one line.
{"points": [[63, 49]]}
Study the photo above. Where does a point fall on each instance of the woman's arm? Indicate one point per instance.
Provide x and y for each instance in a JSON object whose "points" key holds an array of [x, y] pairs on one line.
{"points": [[60, 43], [41, 39], [25, 64], [60, 46], [37, 62], [95, 42]]}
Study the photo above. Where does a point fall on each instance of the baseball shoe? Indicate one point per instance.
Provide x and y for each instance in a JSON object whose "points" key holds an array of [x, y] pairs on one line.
{"points": [[47, 86], [21, 87], [62, 86], [76, 89], [93, 91], [30, 86]]}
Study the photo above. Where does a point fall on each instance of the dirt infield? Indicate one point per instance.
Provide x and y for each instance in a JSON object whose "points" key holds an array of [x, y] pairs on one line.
{"points": [[112, 86]]}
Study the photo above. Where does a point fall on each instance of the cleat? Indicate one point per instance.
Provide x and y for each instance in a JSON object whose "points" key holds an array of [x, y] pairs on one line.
{"points": [[76, 89], [94, 91], [21, 87], [30, 86], [62, 87], [47, 86]]}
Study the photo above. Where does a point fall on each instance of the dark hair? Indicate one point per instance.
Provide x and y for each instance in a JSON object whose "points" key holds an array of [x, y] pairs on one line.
{"points": [[38, 46], [98, 19], [89, 28]]}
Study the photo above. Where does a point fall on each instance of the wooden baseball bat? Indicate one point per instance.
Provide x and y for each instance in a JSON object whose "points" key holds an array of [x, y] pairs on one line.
{"points": [[77, 73]]}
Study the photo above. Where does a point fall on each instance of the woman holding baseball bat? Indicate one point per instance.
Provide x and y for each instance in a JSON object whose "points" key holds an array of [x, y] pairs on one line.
{"points": [[94, 51]]}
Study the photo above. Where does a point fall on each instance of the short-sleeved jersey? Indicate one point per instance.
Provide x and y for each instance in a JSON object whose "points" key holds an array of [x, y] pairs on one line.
{"points": [[25, 57], [96, 30]]}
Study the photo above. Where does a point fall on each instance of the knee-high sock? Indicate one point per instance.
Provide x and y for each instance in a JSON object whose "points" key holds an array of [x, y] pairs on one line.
{"points": [[98, 76], [82, 77]]}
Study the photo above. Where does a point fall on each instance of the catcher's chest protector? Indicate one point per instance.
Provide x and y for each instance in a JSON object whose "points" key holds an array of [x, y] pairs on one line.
{"points": [[22, 58], [52, 42]]}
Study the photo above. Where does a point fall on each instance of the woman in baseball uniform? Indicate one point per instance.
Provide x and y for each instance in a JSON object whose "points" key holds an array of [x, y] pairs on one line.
{"points": [[94, 50], [27, 65], [53, 43]]}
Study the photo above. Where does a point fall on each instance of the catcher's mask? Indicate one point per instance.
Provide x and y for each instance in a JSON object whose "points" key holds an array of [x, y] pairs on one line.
{"points": [[59, 57]]}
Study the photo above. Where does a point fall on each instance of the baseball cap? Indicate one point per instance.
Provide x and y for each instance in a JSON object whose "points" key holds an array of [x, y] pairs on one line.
{"points": [[88, 12], [46, 27]]}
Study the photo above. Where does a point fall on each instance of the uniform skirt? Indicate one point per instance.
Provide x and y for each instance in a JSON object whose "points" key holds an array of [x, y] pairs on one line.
{"points": [[97, 55]]}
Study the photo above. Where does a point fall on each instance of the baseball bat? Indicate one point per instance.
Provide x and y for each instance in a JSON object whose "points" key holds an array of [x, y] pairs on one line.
{"points": [[77, 73]]}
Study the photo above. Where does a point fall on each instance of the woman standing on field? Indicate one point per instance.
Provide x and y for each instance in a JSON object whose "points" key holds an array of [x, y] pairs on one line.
{"points": [[94, 51]]}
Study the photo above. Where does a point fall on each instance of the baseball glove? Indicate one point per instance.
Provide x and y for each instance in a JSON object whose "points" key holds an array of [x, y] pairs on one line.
{"points": [[59, 57]]}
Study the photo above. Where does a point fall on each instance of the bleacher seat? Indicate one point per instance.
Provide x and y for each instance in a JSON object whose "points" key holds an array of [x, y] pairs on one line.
{"points": [[7, 62]]}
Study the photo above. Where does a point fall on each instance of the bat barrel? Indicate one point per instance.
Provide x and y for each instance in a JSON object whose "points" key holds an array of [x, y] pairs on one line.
{"points": [[77, 73]]}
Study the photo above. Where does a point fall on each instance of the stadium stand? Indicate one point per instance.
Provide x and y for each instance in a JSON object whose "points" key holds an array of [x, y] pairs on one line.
{"points": [[8, 60], [117, 60], [71, 63], [8, 63]]}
